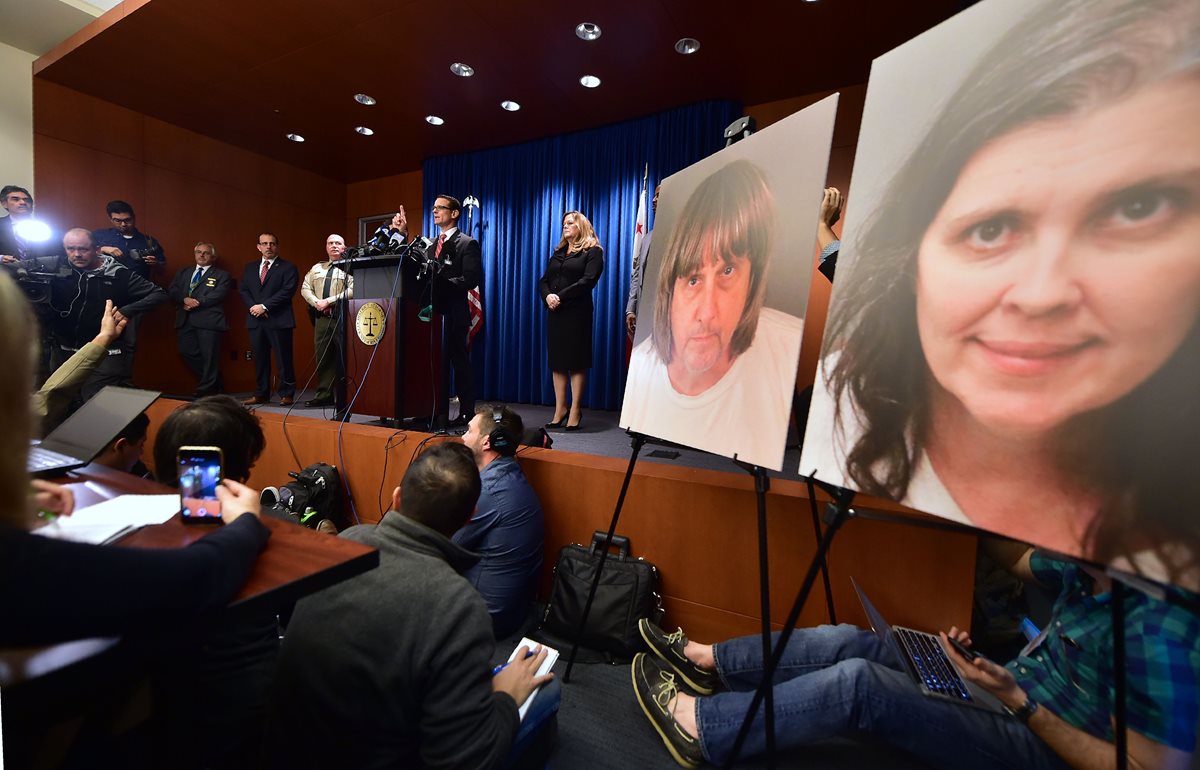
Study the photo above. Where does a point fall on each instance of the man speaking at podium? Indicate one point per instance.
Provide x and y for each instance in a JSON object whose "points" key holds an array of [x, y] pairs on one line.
{"points": [[459, 269]]}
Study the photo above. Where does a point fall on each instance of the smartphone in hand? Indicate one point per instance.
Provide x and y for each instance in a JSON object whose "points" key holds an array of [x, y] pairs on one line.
{"points": [[964, 651], [200, 470]]}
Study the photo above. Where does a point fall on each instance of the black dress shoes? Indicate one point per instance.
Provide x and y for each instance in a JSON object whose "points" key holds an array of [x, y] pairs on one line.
{"points": [[315, 402], [558, 424]]}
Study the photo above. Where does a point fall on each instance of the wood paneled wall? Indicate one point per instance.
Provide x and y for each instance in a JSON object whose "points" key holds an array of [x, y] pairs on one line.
{"points": [[185, 187], [698, 526]]}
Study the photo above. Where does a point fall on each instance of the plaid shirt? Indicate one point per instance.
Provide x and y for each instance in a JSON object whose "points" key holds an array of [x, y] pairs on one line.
{"points": [[1070, 671]]}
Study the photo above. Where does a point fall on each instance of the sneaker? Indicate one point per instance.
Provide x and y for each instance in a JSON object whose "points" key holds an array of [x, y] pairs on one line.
{"points": [[656, 691], [669, 649]]}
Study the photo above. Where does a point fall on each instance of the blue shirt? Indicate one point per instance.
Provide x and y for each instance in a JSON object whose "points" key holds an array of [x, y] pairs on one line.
{"points": [[507, 531], [111, 236], [1070, 671]]}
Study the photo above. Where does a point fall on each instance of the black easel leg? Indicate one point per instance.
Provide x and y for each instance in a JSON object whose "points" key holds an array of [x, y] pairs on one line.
{"points": [[1118, 632], [816, 519], [841, 510], [761, 484], [638, 441]]}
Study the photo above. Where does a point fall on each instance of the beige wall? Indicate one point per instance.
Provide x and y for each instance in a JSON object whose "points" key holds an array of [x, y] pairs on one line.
{"points": [[16, 117]]}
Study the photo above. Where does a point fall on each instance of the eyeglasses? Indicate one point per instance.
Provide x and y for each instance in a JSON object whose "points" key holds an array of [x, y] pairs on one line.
{"points": [[438, 207], [120, 221]]}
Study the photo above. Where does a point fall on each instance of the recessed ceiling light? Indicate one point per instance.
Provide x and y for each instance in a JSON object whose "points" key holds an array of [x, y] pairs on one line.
{"points": [[589, 81], [295, 137], [510, 105], [364, 99], [364, 130], [587, 31], [434, 120], [462, 70], [687, 45]]}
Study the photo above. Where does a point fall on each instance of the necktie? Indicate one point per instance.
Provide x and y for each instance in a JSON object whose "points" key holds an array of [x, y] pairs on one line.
{"points": [[437, 253], [328, 281], [195, 280], [262, 273]]}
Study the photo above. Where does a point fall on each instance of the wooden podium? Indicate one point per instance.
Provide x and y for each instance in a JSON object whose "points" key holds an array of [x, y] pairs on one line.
{"points": [[392, 358]]}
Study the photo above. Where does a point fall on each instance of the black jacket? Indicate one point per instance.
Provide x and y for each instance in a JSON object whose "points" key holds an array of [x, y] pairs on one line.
{"points": [[461, 270], [275, 293], [77, 300], [210, 293]]}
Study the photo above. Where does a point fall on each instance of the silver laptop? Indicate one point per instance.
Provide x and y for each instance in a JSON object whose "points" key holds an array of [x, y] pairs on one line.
{"points": [[927, 663], [85, 433]]}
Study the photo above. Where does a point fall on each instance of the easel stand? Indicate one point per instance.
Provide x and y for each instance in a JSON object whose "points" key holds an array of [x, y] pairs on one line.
{"points": [[836, 514], [761, 484]]}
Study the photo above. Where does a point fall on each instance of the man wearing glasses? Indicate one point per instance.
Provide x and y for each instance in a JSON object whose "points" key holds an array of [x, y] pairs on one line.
{"points": [[126, 244], [459, 269]]}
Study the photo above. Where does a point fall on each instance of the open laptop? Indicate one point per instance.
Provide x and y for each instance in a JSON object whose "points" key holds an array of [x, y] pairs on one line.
{"points": [[927, 663], [85, 433]]}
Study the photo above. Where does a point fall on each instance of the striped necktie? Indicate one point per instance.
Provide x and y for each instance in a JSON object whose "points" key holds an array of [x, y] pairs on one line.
{"points": [[195, 280], [437, 253], [262, 273]]}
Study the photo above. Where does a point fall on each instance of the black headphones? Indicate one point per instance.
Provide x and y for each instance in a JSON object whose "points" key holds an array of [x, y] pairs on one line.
{"points": [[500, 439]]}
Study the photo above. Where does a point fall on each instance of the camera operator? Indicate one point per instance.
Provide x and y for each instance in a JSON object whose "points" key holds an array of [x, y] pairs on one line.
{"points": [[13, 247], [78, 292], [126, 244]]}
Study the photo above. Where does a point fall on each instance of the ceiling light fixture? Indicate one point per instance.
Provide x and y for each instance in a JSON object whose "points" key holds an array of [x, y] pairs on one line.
{"points": [[434, 120], [295, 137], [364, 99], [364, 130], [510, 105], [587, 31], [687, 45], [462, 70], [589, 81]]}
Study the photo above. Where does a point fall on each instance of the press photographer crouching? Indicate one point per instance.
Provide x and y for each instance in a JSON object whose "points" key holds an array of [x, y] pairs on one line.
{"points": [[76, 288]]}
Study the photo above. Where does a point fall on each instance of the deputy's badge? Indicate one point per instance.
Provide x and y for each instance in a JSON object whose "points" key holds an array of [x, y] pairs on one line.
{"points": [[210, 283]]}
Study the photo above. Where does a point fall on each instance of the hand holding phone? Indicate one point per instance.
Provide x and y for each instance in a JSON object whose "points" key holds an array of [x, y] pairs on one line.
{"points": [[962, 649], [200, 470]]}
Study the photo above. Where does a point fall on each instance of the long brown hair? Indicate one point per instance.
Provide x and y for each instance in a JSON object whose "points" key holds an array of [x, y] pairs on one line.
{"points": [[732, 212], [1063, 59]]}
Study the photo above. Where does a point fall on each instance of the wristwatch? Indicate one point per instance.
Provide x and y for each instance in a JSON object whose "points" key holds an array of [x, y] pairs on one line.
{"points": [[1025, 711]]}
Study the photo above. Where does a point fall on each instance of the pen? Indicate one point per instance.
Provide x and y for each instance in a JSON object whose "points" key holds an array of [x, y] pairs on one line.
{"points": [[501, 667], [48, 516]]}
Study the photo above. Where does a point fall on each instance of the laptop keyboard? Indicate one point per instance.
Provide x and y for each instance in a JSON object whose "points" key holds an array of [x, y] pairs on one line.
{"points": [[41, 459], [936, 671]]}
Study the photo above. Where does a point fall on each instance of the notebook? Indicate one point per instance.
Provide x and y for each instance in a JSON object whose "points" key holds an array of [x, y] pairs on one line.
{"points": [[927, 663], [85, 433], [547, 664]]}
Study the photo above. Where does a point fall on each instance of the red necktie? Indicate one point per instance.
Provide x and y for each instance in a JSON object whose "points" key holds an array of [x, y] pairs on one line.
{"points": [[262, 274], [437, 253]]}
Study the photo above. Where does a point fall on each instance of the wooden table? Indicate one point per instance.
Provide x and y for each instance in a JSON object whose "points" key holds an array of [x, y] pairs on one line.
{"points": [[296, 561]]}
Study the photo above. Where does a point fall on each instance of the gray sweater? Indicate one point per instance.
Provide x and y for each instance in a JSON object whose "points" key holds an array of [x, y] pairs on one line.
{"points": [[391, 668]]}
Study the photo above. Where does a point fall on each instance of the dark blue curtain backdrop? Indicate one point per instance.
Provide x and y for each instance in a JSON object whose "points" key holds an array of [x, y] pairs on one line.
{"points": [[524, 190]]}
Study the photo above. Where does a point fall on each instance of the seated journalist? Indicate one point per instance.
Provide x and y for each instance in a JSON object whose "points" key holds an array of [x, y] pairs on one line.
{"points": [[393, 668], [507, 529], [842, 681]]}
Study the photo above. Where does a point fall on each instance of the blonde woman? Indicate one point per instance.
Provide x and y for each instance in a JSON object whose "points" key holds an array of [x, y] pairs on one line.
{"points": [[566, 288]]}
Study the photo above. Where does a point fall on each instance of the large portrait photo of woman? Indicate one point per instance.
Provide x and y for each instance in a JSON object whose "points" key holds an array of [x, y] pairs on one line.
{"points": [[1013, 339]]}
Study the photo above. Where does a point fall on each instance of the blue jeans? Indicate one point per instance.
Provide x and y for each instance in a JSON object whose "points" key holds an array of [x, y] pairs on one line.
{"points": [[545, 705], [840, 681]]}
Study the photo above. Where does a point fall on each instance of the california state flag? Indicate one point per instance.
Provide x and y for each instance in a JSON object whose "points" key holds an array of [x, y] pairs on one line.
{"points": [[639, 230]]}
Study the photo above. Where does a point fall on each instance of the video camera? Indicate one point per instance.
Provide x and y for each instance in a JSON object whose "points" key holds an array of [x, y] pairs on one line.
{"points": [[312, 497], [35, 277]]}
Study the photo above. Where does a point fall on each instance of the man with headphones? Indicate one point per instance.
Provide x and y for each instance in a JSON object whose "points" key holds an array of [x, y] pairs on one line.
{"points": [[507, 529]]}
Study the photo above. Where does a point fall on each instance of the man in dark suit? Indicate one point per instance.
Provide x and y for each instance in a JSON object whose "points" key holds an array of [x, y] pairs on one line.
{"points": [[19, 204], [267, 288], [461, 270], [200, 292]]}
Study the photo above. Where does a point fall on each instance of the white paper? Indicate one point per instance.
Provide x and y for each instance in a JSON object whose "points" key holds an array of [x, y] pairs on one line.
{"points": [[102, 522], [547, 664]]}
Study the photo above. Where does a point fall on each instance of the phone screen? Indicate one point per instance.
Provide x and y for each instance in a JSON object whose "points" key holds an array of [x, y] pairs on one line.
{"points": [[199, 475]]}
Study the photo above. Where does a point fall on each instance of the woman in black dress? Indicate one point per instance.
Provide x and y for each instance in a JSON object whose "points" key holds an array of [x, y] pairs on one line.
{"points": [[566, 288]]}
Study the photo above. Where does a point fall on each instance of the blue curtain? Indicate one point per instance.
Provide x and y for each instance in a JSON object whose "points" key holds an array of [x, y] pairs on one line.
{"points": [[524, 190]]}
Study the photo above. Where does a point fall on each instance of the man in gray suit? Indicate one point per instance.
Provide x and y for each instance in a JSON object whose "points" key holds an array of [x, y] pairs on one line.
{"points": [[639, 270], [199, 291]]}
